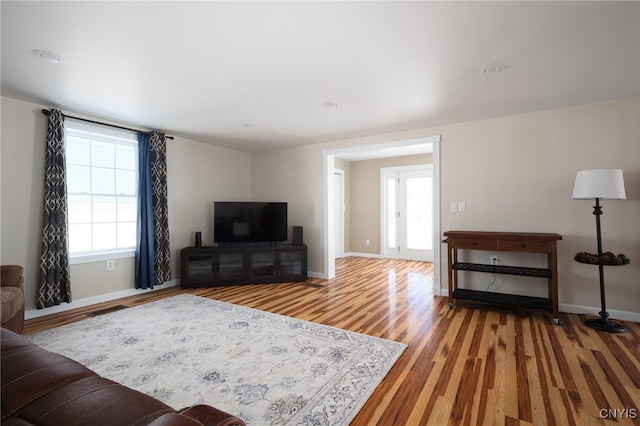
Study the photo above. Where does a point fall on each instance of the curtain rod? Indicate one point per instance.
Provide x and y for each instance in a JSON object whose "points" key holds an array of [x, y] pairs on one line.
{"points": [[47, 112]]}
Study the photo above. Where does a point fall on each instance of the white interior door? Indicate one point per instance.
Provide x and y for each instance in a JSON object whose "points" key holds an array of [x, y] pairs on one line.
{"points": [[408, 213]]}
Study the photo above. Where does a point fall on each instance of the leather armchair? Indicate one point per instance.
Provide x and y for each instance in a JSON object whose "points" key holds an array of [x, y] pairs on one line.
{"points": [[12, 301]]}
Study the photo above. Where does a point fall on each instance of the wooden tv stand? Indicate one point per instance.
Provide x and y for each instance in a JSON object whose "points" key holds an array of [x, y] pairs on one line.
{"points": [[520, 242]]}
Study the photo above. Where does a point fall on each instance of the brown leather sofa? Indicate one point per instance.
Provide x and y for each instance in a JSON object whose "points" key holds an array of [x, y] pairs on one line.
{"points": [[44, 388], [12, 297]]}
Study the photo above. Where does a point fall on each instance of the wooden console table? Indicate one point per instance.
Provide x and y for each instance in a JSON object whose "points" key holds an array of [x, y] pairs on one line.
{"points": [[521, 242]]}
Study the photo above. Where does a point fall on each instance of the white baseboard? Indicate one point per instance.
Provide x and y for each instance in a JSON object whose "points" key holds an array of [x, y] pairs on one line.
{"points": [[356, 254], [36, 313], [613, 313], [583, 310]]}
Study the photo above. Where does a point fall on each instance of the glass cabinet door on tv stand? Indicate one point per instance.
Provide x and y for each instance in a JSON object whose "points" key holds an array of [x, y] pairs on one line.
{"points": [[199, 267], [262, 264], [278, 264], [292, 263], [230, 266]]}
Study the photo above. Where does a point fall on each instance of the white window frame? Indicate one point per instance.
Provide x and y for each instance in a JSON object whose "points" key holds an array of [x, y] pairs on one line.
{"points": [[103, 133]]}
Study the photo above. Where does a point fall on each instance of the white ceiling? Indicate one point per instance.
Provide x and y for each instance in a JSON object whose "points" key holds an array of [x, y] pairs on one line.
{"points": [[203, 70]]}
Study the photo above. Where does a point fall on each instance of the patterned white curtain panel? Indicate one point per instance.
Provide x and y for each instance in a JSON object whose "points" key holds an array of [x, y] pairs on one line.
{"points": [[162, 257], [55, 283]]}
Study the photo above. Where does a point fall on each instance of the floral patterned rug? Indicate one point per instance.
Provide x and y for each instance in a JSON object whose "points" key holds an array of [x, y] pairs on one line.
{"points": [[267, 369]]}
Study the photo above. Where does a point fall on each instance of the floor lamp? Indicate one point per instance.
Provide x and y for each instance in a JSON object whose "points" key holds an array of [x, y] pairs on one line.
{"points": [[601, 184]]}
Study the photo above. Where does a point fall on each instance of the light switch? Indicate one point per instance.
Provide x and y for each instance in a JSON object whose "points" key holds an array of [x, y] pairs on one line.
{"points": [[453, 207], [462, 206]]}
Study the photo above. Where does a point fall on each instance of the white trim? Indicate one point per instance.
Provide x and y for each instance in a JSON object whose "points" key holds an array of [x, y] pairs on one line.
{"points": [[329, 226], [613, 314], [80, 128], [370, 255], [98, 257], [36, 313], [435, 143], [341, 207], [579, 309]]}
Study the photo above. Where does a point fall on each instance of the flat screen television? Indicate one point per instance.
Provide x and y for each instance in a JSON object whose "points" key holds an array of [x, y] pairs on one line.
{"points": [[249, 222]]}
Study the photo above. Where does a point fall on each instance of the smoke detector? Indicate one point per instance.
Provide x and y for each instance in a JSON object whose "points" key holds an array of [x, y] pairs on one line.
{"points": [[492, 69], [45, 55]]}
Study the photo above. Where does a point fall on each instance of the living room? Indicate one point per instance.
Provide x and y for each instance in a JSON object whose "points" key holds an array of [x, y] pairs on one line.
{"points": [[540, 152], [515, 172], [536, 167]]}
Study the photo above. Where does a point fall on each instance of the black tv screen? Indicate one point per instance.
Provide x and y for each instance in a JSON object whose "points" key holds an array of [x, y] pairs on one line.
{"points": [[249, 222]]}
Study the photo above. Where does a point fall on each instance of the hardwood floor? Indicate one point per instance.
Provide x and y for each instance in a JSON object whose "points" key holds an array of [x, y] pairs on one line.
{"points": [[472, 365]]}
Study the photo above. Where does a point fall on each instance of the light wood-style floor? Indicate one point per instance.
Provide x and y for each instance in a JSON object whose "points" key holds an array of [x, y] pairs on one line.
{"points": [[471, 365]]}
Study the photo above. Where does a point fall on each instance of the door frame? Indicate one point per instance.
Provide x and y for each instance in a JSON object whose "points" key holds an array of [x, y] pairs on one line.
{"points": [[328, 210], [339, 228]]}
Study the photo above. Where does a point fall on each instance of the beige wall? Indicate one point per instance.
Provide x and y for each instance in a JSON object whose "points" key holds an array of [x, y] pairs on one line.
{"points": [[364, 185], [294, 176], [197, 174], [515, 173]]}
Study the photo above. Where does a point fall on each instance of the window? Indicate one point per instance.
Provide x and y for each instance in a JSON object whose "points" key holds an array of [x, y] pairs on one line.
{"points": [[102, 190]]}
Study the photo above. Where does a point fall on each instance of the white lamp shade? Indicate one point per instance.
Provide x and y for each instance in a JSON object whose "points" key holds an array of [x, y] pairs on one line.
{"points": [[606, 184]]}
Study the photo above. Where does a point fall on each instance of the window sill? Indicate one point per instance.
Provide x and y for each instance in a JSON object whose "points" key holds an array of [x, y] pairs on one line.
{"points": [[98, 257]]}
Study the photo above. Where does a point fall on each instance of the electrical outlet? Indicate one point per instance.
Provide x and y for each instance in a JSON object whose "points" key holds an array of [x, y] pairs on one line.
{"points": [[462, 206], [110, 265], [453, 207], [368, 242], [495, 259]]}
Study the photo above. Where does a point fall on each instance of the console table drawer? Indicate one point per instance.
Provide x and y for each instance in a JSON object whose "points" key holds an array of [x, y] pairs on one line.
{"points": [[475, 244], [524, 246]]}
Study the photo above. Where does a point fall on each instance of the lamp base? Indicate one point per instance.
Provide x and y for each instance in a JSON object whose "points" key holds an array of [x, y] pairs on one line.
{"points": [[604, 324]]}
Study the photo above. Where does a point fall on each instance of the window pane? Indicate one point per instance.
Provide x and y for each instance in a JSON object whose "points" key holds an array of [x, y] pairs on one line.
{"points": [[104, 209], [419, 228], [126, 234], [104, 236], [126, 182], [78, 151], [78, 179], [102, 154], [127, 209], [103, 181], [79, 238], [79, 208], [126, 157]]}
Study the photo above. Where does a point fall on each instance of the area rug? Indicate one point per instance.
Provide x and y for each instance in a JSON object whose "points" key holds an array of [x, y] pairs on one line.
{"points": [[265, 368]]}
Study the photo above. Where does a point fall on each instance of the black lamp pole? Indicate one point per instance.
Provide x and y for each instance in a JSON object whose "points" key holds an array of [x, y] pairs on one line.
{"points": [[603, 323]]}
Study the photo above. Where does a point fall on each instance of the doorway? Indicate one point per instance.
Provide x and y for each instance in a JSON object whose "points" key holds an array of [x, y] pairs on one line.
{"points": [[389, 149], [407, 212]]}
